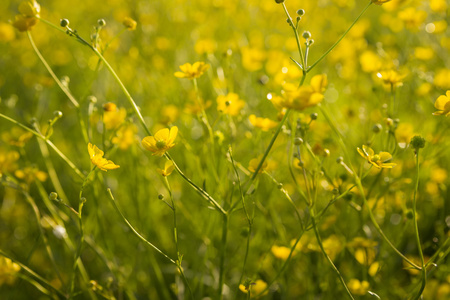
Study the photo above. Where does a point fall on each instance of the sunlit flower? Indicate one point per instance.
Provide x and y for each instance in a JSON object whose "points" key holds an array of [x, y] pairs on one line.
{"points": [[280, 252], [168, 168], [378, 160], [192, 71], [357, 287], [255, 288], [266, 166], [112, 116], [29, 174], [29, 10], [162, 141], [264, 124], [96, 156], [230, 104], [17, 137], [129, 23], [8, 270], [125, 136], [442, 104], [391, 77]]}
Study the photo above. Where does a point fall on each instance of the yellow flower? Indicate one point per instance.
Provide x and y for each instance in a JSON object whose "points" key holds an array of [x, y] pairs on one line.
{"points": [[24, 23], [129, 23], [17, 137], [442, 104], [192, 71], [113, 117], [391, 77], [96, 156], [168, 168], [29, 174], [378, 160], [230, 104], [8, 269], [281, 252], [162, 141], [302, 97], [30, 8], [126, 136], [357, 287], [264, 123], [266, 166], [255, 288]]}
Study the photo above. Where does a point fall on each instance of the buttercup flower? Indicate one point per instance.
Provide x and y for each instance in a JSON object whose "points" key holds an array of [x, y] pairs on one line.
{"points": [[442, 104], [112, 116], [168, 168], [255, 288], [391, 77], [29, 10], [378, 160], [280, 252], [129, 23], [379, 2], [230, 104], [161, 142], [8, 270], [192, 71], [96, 156], [264, 123]]}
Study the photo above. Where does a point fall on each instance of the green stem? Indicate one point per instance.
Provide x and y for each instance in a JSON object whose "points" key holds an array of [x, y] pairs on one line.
{"points": [[416, 229], [340, 39], [300, 51], [222, 256], [37, 134]]}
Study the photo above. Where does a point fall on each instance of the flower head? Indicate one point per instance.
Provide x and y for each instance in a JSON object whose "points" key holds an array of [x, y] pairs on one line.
{"points": [[264, 123], [230, 104], [192, 71], [29, 10], [112, 116], [168, 168], [129, 23], [96, 156], [161, 142], [442, 104], [378, 160], [255, 288], [391, 77]]}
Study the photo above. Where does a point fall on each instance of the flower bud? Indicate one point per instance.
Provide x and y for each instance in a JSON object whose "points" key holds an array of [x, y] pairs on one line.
{"points": [[92, 99], [53, 196], [417, 142], [314, 116], [58, 114], [64, 23], [377, 128], [279, 1], [298, 141], [306, 35], [280, 186], [340, 159], [160, 196], [101, 22], [300, 12], [129, 23]]}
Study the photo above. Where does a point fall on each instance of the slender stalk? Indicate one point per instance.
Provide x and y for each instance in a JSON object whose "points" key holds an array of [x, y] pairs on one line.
{"points": [[291, 23], [48, 142], [340, 39], [222, 256], [416, 229]]}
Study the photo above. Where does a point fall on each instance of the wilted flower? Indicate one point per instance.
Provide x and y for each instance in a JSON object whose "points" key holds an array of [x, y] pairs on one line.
{"points": [[442, 104], [96, 156], [192, 71], [378, 160], [161, 142]]}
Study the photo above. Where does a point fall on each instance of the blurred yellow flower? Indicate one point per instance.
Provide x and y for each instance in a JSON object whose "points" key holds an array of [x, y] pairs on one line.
{"points": [[255, 288], [442, 104], [378, 160], [162, 141], [8, 269], [168, 168], [442, 79], [125, 136], [17, 137], [281, 252], [266, 166], [192, 71], [112, 116], [230, 104], [391, 77], [357, 287], [29, 174], [129, 23], [24, 23], [96, 156], [264, 124], [30, 8], [8, 160]]}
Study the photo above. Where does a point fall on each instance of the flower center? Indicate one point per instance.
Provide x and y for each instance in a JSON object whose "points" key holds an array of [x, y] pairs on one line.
{"points": [[160, 144], [376, 158]]}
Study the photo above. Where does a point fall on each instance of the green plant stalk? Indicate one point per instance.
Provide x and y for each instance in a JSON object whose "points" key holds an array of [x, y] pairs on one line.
{"points": [[335, 269], [134, 230], [416, 229], [175, 236], [222, 256], [48, 142], [34, 274], [359, 185], [61, 86], [300, 51], [340, 39]]}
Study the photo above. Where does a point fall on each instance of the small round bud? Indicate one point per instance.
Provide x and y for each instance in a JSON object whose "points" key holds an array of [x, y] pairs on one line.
{"points": [[298, 19], [160, 196], [58, 114], [306, 35], [83, 200], [417, 142], [301, 164], [279, 1], [409, 214], [280, 186], [288, 20], [396, 121], [92, 99], [300, 12], [314, 116], [64, 23], [377, 128], [326, 152], [101, 22], [298, 141], [53, 196], [335, 191], [389, 122], [339, 160], [311, 41]]}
